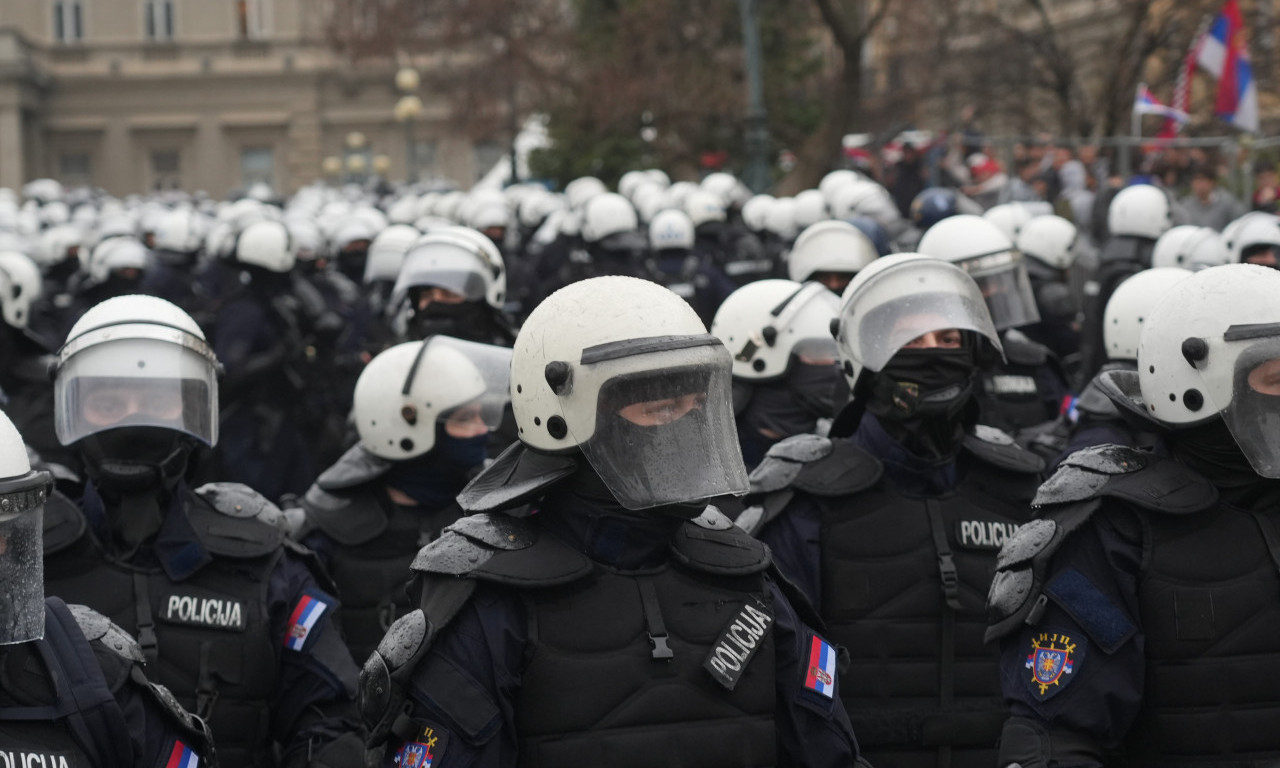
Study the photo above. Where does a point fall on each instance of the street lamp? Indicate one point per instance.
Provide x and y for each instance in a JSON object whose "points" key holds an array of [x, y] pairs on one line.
{"points": [[331, 166], [407, 110]]}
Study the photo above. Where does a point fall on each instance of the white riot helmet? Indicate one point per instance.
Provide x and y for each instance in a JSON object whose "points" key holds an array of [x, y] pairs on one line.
{"points": [[1140, 211], [671, 230], [979, 248], [722, 185], [899, 298], [265, 244], [579, 191], [1212, 346], [768, 323], [623, 370], [387, 253], [608, 214], [1190, 247], [1258, 233], [780, 218], [630, 181], [57, 244], [811, 208], [407, 391], [118, 253], [403, 210], [307, 239], [1010, 218], [755, 212], [456, 262], [1130, 305], [834, 180], [1050, 240], [704, 207], [830, 246], [135, 361], [20, 285], [22, 497], [181, 230], [489, 214]]}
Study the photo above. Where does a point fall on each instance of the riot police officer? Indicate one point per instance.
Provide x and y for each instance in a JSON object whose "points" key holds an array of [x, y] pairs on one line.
{"points": [[831, 253], [1137, 615], [453, 282], [625, 623], [673, 263], [230, 616], [74, 693], [891, 526], [424, 411]]}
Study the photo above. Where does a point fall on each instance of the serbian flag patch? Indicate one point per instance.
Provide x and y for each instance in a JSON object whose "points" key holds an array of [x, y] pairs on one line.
{"points": [[182, 757], [821, 674], [305, 615]]}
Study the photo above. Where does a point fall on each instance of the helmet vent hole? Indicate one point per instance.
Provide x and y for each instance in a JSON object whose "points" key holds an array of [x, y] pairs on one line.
{"points": [[1173, 398], [406, 445], [1193, 399], [557, 428], [537, 421], [519, 389], [409, 414], [142, 363], [758, 365], [1151, 369]]}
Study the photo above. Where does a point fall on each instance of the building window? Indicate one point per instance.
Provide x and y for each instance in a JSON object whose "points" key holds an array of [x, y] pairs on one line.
{"points": [[253, 18], [75, 169], [166, 169], [257, 164], [157, 19], [425, 157], [486, 156], [68, 21]]}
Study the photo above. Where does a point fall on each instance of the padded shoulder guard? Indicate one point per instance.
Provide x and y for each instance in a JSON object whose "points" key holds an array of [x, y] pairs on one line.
{"points": [[350, 519], [385, 675], [713, 544], [1000, 450], [785, 460], [236, 521], [816, 465], [193, 727], [101, 630], [844, 470], [356, 467], [1021, 350], [1138, 477], [502, 549], [1094, 403]]}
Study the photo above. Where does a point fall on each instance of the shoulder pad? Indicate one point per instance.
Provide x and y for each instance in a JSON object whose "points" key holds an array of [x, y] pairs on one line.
{"points": [[99, 629], [236, 521], [999, 449], [64, 524], [382, 679], [784, 461], [194, 727], [1020, 350], [502, 549], [755, 517], [712, 543], [1093, 402], [347, 518], [356, 467], [846, 469], [1140, 478]]}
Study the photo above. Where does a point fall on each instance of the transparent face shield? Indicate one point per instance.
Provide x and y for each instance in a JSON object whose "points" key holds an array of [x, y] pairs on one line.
{"points": [[145, 382], [485, 384], [904, 303], [1002, 278], [667, 436], [455, 271], [22, 557], [1253, 416]]}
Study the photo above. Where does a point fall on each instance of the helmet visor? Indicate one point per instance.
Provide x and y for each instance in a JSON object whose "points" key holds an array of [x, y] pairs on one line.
{"points": [[22, 557], [1253, 416], [136, 382], [1002, 279], [667, 436], [453, 270], [900, 305], [489, 395]]}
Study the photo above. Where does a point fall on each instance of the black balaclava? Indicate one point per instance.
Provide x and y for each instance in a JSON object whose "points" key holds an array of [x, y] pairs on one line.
{"points": [[924, 399], [787, 407], [1213, 452], [436, 477], [469, 320], [136, 468], [351, 262]]}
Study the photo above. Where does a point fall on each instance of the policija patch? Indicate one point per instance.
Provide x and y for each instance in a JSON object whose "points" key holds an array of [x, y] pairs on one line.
{"points": [[1054, 657], [738, 644]]}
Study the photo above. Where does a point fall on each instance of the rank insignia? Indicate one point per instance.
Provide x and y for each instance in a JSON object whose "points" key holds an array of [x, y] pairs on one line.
{"points": [[424, 751], [1053, 657]]}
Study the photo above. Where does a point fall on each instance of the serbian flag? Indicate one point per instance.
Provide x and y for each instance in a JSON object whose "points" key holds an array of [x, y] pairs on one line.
{"points": [[1145, 103], [1222, 53], [182, 756], [820, 677], [302, 620]]}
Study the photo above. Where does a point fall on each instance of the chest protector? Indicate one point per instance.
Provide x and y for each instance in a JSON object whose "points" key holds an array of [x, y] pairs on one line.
{"points": [[1210, 600], [377, 540], [904, 581], [208, 637]]}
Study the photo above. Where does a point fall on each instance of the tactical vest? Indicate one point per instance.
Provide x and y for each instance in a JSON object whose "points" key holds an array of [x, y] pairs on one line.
{"points": [[1210, 600], [207, 638], [1209, 596], [377, 540], [619, 665], [904, 582]]}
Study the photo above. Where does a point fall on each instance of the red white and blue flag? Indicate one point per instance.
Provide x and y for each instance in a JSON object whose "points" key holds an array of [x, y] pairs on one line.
{"points": [[303, 619], [821, 675], [1145, 103], [182, 756], [1222, 52]]}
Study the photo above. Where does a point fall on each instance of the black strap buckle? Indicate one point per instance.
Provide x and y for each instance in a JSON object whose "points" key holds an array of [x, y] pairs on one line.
{"points": [[660, 648]]}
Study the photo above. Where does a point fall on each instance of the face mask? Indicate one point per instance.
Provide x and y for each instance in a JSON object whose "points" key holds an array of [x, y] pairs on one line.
{"points": [[465, 320], [435, 478], [135, 459], [922, 398], [351, 264], [1210, 450]]}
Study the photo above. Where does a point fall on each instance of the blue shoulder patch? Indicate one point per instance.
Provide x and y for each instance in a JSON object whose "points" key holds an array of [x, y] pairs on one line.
{"points": [[1106, 623]]}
